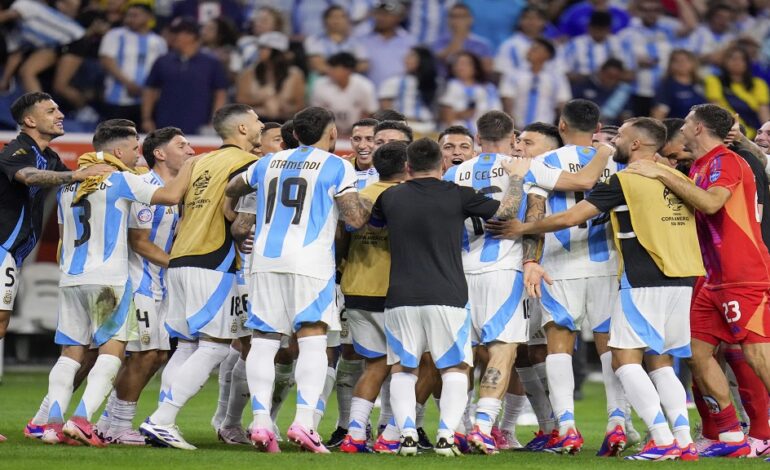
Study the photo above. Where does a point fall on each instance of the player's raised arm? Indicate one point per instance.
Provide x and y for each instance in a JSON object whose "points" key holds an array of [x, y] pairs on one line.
{"points": [[516, 169], [239, 185], [173, 192], [31, 176], [587, 177]]}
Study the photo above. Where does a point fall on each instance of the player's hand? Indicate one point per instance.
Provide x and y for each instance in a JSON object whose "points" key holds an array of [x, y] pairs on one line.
{"points": [[534, 274], [604, 150], [247, 245], [508, 229], [735, 131], [516, 166], [646, 168], [93, 170]]}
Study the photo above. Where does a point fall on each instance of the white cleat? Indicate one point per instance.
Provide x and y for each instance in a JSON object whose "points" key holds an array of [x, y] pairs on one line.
{"points": [[127, 437], [164, 436]]}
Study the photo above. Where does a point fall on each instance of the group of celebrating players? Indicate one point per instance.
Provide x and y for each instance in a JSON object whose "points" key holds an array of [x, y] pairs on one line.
{"points": [[399, 273]]}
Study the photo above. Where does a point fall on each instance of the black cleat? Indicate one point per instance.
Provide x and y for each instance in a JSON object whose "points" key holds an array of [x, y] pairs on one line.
{"points": [[336, 438], [423, 443]]}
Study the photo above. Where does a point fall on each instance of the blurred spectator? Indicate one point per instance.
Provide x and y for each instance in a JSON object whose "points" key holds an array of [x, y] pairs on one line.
{"points": [[274, 87], [219, 38], [345, 93], [456, 143], [307, 16], [608, 90], [739, 91], [756, 25], [185, 86], [495, 19], [468, 94], [460, 38], [575, 20], [413, 94], [583, 55], [389, 42], [335, 39], [680, 89], [127, 54], [206, 10], [537, 92], [427, 19], [512, 52], [41, 30], [264, 20], [759, 67], [708, 40]]}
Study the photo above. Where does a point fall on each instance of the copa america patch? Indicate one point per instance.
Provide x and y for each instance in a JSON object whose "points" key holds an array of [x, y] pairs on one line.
{"points": [[144, 215]]}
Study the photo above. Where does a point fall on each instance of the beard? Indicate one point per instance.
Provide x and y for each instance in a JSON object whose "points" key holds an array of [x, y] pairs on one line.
{"points": [[621, 156]]}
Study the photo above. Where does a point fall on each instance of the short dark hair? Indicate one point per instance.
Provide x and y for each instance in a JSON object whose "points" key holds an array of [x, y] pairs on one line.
{"points": [[548, 130], [270, 125], [117, 122], [24, 103], [600, 19], [455, 130], [547, 44], [423, 155], [395, 125], [158, 138], [223, 114], [613, 63], [389, 159], [388, 115], [494, 126], [365, 122], [673, 126], [310, 124], [715, 8], [654, 129], [581, 115], [107, 135], [329, 10], [342, 59], [287, 135], [716, 119]]}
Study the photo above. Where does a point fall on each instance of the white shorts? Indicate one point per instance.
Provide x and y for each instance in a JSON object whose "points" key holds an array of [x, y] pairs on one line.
{"points": [[497, 310], [282, 302], [151, 320], [346, 336], [569, 301], [9, 280], [443, 331], [654, 318], [337, 334], [204, 302], [368, 332], [534, 311], [92, 315]]}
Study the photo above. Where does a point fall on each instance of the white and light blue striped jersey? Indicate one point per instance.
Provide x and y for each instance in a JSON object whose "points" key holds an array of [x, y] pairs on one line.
{"points": [[134, 54], [307, 15], [576, 252], [367, 177], [322, 45], [654, 43], [585, 56], [296, 210], [94, 248], [480, 251], [536, 97], [428, 19], [481, 97], [147, 278], [704, 41], [406, 98], [512, 54], [42, 26]]}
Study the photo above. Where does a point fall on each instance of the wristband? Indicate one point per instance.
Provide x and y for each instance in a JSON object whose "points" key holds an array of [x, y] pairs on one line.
{"points": [[526, 261]]}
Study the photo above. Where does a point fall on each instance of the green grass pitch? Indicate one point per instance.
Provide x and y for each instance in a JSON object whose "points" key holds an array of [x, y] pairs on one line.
{"points": [[21, 394]]}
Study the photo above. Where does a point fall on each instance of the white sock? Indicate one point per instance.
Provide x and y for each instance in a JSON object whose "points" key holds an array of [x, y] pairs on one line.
{"points": [[561, 386], [100, 381], [404, 402], [189, 380], [320, 409], [673, 399], [386, 411], [260, 373], [225, 382], [183, 352], [360, 410], [419, 417], [60, 387], [391, 431], [348, 373], [514, 404], [616, 397], [537, 396], [123, 413], [239, 395], [487, 410], [41, 417], [310, 375], [454, 397], [641, 394], [284, 381], [105, 420]]}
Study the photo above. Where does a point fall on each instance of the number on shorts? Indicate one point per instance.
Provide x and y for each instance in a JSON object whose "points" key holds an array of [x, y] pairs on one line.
{"points": [[297, 202], [579, 196], [478, 224], [732, 311], [84, 216], [11, 274], [145, 318], [238, 305]]}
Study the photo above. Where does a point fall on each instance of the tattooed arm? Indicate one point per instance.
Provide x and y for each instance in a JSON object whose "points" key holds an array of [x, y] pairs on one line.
{"points": [[241, 226], [354, 210], [31, 176], [535, 212], [238, 186], [516, 169]]}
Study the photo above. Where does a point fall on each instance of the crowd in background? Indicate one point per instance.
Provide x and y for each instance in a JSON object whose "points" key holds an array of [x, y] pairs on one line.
{"points": [[439, 62]]}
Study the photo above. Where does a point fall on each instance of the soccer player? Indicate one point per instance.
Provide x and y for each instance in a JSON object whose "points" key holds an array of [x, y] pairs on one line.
{"points": [[150, 234], [424, 217], [271, 140], [301, 194], [96, 293], [362, 143], [390, 131], [730, 304], [204, 303], [656, 236], [456, 144]]}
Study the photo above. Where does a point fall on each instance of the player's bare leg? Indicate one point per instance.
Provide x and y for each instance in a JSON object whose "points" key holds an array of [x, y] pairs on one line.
{"points": [[364, 394], [492, 388]]}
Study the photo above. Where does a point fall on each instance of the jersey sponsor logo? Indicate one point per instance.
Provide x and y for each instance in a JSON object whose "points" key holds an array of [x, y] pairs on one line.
{"points": [[144, 215], [19, 153]]}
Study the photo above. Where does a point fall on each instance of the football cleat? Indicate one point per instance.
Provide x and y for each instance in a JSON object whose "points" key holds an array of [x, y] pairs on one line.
{"points": [[53, 435], [538, 442], [703, 443], [727, 449], [308, 439], [408, 446], [3, 438], [482, 442], [383, 446], [569, 443], [446, 448], [127, 437], [651, 452], [34, 431], [689, 453], [164, 436], [264, 440], [461, 441], [759, 447], [614, 442], [423, 443], [337, 437], [83, 431], [233, 435], [354, 446]]}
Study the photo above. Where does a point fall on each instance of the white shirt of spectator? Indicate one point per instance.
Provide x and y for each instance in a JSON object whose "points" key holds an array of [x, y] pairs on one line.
{"points": [[350, 104], [134, 54], [322, 45], [585, 56], [512, 53], [428, 19], [42, 26], [535, 96], [459, 97], [406, 98], [703, 41]]}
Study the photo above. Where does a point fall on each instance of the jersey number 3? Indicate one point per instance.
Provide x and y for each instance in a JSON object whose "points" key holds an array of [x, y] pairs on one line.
{"points": [[84, 217], [293, 192]]}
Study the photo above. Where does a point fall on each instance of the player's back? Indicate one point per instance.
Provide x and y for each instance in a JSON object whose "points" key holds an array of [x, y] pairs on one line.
{"points": [[585, 250], [203, 237], [481, 252], [296, 212]]}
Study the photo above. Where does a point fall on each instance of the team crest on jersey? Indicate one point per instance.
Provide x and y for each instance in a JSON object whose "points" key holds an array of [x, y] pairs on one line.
{"points": [[201, 183], [144, 215], [7, 297], [145, 338], [672, 200]]}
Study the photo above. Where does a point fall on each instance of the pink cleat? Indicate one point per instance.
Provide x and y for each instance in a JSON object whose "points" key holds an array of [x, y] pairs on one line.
{"points": [[264, 440], [2, 438], [308, 439], [52, 434], [34, 431], [83, 431]]}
